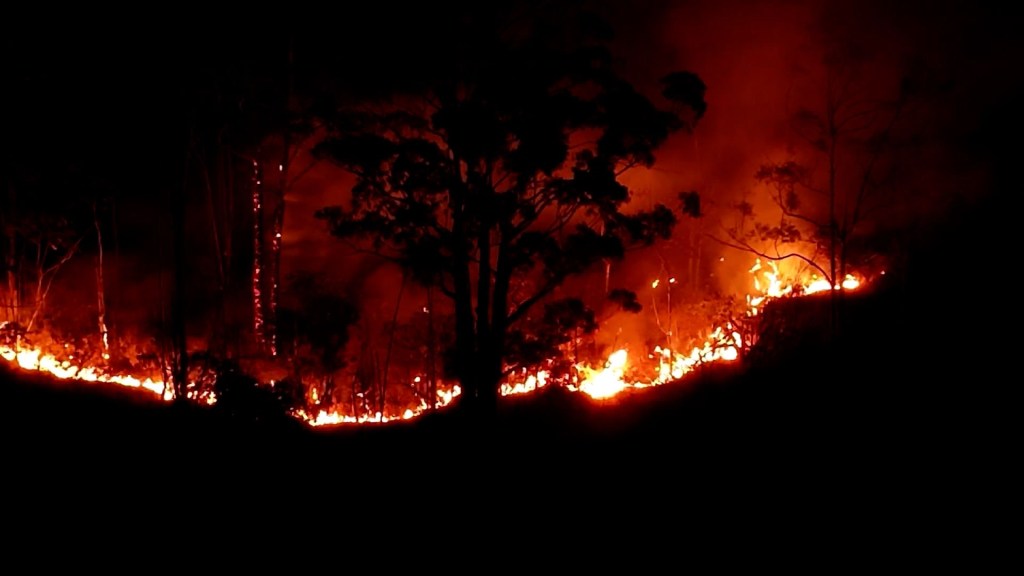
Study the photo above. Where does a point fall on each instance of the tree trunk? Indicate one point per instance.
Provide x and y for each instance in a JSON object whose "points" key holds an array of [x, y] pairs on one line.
{"points": [[487, 390], [431, 352], [382, 392], [44, 277], [13, 287], [113, 274], [37, 304], [277, 224], [101, 300], [257, 256], [178, 304], [209, 169], [833, 224], [10, 257], [465, 333], [226, 185]]}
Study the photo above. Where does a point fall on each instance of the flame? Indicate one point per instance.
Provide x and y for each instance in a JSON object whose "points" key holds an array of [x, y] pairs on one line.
{"points": [[532, 383], [613, 377], [36, 360], [769, 284], [333, 417], [606, 382]]}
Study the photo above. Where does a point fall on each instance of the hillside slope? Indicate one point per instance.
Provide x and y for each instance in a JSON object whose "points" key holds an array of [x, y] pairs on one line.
{"points": [[896, 426]]}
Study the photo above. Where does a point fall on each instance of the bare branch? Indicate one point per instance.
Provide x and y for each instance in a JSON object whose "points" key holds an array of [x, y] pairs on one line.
{"points": [[865, 185], [746, 247], [565, 214], [303, 172], [528, 303], [627, 167], [450, 293], [793, 214], [64, 259]]}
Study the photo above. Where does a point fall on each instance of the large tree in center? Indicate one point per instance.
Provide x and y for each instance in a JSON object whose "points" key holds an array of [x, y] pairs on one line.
{"points": [[499, 176]]}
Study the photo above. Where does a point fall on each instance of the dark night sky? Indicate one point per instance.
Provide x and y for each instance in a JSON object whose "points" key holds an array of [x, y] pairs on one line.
{"points": [[127, 85]]}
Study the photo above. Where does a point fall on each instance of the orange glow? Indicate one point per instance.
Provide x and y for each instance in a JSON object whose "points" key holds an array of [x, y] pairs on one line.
{"points": [[607, 381], [334, 417], [618, 374], [35, 360], [531, 383]]}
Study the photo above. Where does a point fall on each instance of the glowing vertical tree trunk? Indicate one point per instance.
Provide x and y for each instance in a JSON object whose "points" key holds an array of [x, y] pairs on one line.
{"points": [[277, 228], [275, 278], [257, 255]]}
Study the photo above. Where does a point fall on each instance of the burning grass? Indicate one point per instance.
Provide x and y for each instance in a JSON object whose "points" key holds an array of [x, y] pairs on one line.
{"points": [[624, 370]]}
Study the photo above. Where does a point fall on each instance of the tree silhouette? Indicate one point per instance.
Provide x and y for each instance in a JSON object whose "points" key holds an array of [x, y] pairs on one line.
{"points": [[314, 333], [827, 201], [499, 178]]}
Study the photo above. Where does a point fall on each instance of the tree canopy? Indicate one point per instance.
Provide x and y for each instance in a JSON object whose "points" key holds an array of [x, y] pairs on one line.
{"points": [[499, 177]]}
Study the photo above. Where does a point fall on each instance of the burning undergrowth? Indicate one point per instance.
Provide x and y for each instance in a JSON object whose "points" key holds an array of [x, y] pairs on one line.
{"points": [[321, 381]]}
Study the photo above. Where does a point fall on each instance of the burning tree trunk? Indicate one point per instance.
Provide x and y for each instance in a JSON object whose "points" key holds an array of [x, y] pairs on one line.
{"points": [[257, 256], [277, 226]]}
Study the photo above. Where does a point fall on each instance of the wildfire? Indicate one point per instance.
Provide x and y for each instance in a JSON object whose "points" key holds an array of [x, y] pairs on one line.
{"points": [[769, 284], [333, 417], [531, 383], [36, 360], [613, 377]]}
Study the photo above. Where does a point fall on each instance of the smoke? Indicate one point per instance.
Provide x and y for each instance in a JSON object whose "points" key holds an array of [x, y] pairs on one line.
{"points": [[762, 62]]}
